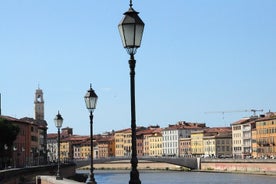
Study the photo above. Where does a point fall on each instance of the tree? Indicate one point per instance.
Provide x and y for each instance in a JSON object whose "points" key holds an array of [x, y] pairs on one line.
{"points": [[8, 134]]}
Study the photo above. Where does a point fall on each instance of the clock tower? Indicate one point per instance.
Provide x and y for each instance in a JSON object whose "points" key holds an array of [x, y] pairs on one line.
{"points": [[39, 105]]}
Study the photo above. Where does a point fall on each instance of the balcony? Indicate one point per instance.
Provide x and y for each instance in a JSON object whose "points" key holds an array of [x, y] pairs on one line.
{"points": [[246, 129]]}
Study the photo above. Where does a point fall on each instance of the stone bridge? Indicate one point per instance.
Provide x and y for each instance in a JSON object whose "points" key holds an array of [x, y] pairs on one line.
{"points": [[181, 161]]}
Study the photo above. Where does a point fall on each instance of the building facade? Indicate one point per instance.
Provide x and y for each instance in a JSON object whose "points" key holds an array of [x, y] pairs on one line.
{"points": [[173, 133], [120, 147], [155, 144], [266, 136], [242, 137], [197, 142], [224, 145], [185, 147], [106, 146], [52, 147]]}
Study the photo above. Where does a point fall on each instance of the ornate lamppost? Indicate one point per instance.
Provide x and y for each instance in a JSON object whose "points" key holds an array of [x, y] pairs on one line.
{"points": [[14, 156], [131, 30], [58, 122], [90, 99], [6, 154]]}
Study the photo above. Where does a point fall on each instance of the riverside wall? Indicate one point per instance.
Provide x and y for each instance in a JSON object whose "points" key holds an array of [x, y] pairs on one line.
{"points": [[28, 175], [239, 166]]}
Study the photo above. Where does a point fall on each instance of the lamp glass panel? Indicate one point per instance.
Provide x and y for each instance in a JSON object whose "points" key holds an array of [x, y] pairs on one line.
{"points": [[121, 30], [129, 34], [91, 102], [138, 35]]}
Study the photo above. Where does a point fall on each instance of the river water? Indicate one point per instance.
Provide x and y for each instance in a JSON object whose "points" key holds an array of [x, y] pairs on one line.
{"points": [[177, 177]]}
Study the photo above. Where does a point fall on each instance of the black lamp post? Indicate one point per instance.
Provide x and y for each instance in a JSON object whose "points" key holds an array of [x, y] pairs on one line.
{"points": [[90, 99], [58, 122], [6, 154], [14, 156], [131, 30]]}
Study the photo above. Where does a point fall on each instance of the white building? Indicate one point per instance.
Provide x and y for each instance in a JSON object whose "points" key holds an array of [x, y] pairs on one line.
{"points": [[242, 137], [52, 148]]}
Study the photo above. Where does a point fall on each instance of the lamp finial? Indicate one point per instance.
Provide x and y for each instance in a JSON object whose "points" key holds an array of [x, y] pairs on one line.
{"points": [[130, 3]]}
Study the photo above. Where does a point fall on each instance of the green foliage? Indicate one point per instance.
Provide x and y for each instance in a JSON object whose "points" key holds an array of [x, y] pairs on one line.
{"points": [[8, 133]]}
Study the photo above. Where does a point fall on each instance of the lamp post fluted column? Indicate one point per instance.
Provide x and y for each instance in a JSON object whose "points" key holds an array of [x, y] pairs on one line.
{"points": [[91, 179], [90, 99], [134, 173], [58, 177]]}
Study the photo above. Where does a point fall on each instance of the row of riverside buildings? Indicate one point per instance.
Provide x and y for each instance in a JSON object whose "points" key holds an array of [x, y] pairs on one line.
{"points": [[252, 137]]}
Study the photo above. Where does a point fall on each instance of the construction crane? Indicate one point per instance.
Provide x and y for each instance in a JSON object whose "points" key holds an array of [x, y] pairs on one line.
{"points": [[234, 111], [255, 110]]}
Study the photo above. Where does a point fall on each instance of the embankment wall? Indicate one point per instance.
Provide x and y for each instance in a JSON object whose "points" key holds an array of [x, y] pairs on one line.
{"points": [[240, 166]]}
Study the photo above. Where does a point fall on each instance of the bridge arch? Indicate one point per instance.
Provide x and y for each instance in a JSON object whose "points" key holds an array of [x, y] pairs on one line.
{"points": [[181, 161]]}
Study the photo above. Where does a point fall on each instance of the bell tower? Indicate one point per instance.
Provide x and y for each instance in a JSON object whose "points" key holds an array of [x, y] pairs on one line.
{"points": [[39, 105]]}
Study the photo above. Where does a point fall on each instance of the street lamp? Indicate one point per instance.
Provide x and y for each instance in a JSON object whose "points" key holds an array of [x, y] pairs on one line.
{"points": [[58, 122], [90, 99], [131, 31], [6, 154], [15, 155]]}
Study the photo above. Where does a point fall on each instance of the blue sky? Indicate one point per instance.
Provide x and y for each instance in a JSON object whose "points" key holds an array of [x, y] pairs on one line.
{"points": [[196, 56]]}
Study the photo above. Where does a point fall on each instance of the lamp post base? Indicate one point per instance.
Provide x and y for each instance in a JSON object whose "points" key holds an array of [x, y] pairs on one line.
{"points": [[59, 177], [90, 180], [134, 177]]}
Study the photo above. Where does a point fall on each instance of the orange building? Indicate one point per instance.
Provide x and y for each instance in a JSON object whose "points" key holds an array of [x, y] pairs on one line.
{"points": [[26, 148], [266, 136]]}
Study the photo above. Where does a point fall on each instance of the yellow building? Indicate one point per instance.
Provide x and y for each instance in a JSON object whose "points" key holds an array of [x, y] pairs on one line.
{"points": [[122, 142], [266, 136], [215, 141], [64, 150], [85, 149], [209, 144], [197, 142], [155, 144], [146, 143], [67, 147], [127, 143], [145, 135]]}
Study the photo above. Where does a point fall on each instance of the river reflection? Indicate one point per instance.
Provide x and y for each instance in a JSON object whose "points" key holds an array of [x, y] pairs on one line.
{"points": [[177, 177]]}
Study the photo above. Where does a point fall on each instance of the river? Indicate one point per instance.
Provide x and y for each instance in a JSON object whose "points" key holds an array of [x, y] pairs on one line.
{"points": [[177, 177]]}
